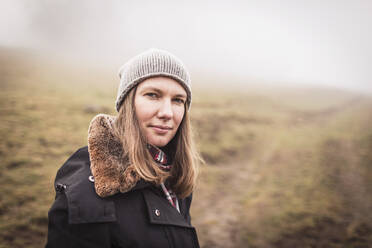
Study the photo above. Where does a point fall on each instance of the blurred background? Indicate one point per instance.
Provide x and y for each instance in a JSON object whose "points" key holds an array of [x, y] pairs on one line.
{"points": [[282, 110]]}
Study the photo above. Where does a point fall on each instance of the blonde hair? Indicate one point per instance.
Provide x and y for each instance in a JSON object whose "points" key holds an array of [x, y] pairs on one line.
{"points": [[181, 148]]}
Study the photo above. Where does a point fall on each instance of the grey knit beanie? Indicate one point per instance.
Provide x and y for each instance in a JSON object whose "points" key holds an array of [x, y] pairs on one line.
{"points": [[151, 63]]}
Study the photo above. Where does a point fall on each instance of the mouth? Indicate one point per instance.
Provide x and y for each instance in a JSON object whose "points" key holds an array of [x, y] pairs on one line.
{"points": [[160, 129]]}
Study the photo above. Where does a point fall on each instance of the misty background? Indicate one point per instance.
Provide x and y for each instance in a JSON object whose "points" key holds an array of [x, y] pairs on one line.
{"points": [[297, 42], [281, 110]]}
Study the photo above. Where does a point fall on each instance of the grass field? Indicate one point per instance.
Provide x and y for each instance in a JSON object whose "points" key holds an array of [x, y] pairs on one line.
{"points": [[285, 166]]}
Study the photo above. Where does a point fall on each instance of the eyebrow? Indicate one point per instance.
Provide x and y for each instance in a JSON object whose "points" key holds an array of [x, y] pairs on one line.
{"points": [[159, 91]]}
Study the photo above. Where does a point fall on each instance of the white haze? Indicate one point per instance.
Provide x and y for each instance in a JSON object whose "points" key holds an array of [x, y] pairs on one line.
{"points": [[321, 42]]}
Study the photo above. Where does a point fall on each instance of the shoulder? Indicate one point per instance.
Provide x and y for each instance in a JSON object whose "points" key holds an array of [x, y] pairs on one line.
{"points": [[186, 205], [76, 165], [74, 181]]}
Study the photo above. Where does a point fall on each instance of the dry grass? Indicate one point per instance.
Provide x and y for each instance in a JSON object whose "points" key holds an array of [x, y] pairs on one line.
{"points": [[285, 167]]}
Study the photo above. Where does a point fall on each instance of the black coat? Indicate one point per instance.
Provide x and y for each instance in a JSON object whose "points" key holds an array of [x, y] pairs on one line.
{"points": [[141, 217]]}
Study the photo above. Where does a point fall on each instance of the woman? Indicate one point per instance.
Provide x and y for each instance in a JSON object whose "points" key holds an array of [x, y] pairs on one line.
{"points": [[132, 185]]}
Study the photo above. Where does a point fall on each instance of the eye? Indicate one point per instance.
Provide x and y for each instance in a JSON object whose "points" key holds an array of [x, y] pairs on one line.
{"points": [[151, 95], [179, 100]]}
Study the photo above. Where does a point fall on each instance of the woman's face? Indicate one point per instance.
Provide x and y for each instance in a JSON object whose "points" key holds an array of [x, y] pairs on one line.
{"points": [[159, 105]]}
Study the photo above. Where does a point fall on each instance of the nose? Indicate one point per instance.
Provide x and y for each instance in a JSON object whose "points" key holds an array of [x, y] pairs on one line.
{"points": [[165, 109]]}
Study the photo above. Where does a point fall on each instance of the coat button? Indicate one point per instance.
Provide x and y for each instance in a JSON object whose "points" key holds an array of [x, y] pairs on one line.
{"points": [[157, 212], [60, 187]]}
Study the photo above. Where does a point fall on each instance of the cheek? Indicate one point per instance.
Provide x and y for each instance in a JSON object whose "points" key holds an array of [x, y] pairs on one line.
{"points": [[178, 115], [143, 110], [140, 113]]}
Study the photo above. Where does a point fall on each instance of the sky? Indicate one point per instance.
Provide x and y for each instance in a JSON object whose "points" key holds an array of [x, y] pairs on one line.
{"points": [[306, 42]]}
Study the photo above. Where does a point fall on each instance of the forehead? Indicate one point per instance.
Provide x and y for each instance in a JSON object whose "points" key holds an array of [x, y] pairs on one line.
{"points": [[162, 84]]}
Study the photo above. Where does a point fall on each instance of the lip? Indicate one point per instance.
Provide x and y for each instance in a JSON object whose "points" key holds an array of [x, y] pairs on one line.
{"points": [[160, 129]]}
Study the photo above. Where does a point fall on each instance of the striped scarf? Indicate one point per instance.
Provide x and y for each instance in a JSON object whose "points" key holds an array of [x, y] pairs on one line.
{"points": [[161, 159]]}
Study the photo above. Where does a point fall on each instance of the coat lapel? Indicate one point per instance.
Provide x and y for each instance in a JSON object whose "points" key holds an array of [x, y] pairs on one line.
{"points": [[160, 211]]}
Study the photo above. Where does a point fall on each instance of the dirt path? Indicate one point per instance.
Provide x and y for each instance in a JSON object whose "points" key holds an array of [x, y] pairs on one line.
{"points": [[219, 220]]}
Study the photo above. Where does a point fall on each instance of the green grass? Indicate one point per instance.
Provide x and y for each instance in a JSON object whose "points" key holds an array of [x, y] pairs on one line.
{"points": [[286, 167]]}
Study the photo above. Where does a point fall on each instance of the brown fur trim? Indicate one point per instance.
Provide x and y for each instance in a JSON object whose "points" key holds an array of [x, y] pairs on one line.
{"points": [[106, 159]]}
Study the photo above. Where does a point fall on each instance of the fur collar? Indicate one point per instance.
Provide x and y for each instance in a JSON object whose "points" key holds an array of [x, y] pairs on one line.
{"points": [[111, 175]]}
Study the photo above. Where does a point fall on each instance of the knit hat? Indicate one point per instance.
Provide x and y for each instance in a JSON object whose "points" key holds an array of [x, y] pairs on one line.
{"points": [[152, 63]]}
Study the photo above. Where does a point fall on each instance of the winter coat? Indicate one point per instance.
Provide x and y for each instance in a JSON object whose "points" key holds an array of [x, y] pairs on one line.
{"points": [[121, 210]]}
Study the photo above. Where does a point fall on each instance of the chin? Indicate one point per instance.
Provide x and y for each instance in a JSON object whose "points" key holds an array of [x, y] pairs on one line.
{"points": [[159, 143]]}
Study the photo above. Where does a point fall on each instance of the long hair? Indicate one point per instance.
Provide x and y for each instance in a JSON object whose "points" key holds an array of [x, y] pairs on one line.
{"points": [[185, 165]]}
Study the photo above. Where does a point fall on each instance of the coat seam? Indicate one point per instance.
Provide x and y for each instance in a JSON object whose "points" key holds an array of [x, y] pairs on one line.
{"points": [[165, 229]]}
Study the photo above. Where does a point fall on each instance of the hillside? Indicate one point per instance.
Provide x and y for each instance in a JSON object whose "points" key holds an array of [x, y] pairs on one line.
{"points": [[285, 166]]}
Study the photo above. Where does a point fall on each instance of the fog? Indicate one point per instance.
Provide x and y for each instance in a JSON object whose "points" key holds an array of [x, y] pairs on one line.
{"points": [[308, 42]]}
